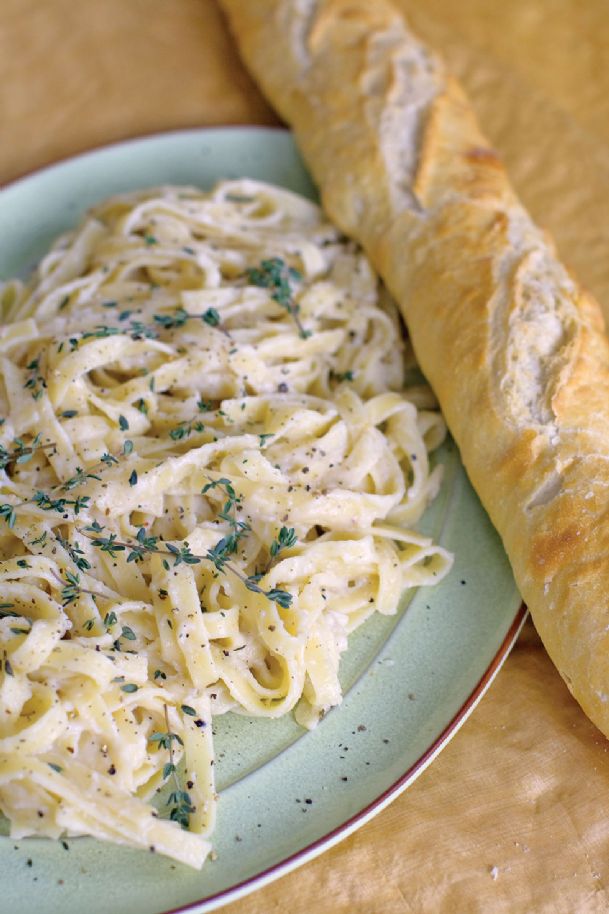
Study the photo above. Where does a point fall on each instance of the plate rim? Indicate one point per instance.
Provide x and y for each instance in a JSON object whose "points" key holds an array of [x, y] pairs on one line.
{"points": [[139, 138], [360, 818]]}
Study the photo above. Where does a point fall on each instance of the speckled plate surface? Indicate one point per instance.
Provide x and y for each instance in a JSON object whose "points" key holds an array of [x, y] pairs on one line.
{"points": [[409, 681]]}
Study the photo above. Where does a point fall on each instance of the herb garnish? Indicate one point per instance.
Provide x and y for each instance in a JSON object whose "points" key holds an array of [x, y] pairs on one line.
{"points": [[7, 512], [286, 538], [179, 316], [78, 479], [22, 452], [178, 799], [220, 554], [35, 383], [184, 429], [342, 376], [75, 553], [72, 588], [46, 503], [276, 275]]}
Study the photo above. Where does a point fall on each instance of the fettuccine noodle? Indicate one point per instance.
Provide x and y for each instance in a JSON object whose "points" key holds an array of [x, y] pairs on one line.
{"points": [[209, 468]]}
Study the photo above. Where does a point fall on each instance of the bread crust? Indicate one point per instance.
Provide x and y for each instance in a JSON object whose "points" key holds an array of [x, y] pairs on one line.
{"points": [[513, 347]]}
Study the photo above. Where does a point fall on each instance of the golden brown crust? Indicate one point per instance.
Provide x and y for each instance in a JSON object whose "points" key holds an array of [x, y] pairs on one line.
{"points": [[513, 347]]}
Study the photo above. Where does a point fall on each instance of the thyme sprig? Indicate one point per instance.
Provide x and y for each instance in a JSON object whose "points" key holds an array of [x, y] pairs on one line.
{"points": [[22, 452], [106, 460], [285, 539], [179, 800], [341, 376], [229, 544], [135, 329], [274, 274], [180, 316], [140, 547], [36, 382], [274, 594], [72, 588], [79, 478], [76, 554], [184, 429], [8, 514], [144, 545], [44, 501]]}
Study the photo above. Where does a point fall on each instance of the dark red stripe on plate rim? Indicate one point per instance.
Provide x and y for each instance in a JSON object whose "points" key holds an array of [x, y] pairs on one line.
{"points": [[233, 893]]}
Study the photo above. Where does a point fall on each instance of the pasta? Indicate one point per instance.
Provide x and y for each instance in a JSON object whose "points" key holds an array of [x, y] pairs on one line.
{"points": [[209, 469]]}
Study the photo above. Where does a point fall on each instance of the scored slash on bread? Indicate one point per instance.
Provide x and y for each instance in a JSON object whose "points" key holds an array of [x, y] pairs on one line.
{"points": [[513, 347]]}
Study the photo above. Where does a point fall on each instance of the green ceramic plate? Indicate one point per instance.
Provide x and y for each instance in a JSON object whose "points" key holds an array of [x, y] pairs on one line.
{"points": [[409, 681]]}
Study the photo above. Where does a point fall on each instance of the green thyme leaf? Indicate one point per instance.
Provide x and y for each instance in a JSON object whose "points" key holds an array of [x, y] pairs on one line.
{"points": [[285, 539], [275, 275]]}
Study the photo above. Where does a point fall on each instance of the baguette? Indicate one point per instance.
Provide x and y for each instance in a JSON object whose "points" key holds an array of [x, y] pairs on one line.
{"points": [[513, 347]]}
